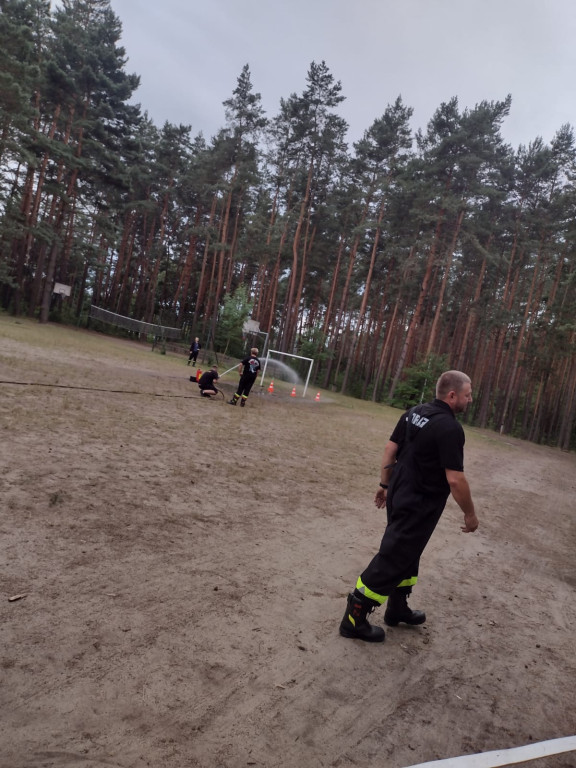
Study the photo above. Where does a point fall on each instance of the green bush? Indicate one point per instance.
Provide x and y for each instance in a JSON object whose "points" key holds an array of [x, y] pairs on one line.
{"points": [[418, 384]]}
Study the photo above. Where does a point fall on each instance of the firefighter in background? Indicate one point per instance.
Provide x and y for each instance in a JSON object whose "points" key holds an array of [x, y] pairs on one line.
{"points": [[423, 463], [248, 370], [194, 349]]}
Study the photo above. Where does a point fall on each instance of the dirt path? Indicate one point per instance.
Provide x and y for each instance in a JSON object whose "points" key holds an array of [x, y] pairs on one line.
{"points": [[185, 566]]}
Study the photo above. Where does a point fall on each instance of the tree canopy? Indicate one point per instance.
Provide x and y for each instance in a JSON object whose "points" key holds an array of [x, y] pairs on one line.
{"points": [[377, 259]]}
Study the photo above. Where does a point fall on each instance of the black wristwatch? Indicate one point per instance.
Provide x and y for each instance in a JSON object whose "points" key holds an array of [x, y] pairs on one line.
{"points": [[383, 485]]}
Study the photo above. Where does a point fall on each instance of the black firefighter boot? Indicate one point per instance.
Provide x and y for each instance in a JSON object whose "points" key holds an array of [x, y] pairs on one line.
{"points": [[355, 624], [397, 611], [234, 400]]}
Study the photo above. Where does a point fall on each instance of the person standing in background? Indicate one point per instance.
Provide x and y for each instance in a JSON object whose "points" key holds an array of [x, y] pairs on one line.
{"points": [[194, 349]]}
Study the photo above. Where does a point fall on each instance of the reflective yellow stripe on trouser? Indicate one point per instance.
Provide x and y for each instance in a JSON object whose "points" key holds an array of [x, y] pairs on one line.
{"points": [[363, 589], [381, 599]]}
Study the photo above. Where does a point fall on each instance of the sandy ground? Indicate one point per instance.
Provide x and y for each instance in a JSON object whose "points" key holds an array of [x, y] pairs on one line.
{"points": [[184, 566]]}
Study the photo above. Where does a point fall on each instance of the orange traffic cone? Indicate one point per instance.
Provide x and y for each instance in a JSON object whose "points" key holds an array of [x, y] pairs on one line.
{"points": [[317, 398], [271, 388], [293, 393]]}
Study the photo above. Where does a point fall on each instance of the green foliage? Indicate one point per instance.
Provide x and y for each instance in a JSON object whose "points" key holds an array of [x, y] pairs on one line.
{"points": [[236, 309], [355, 387], [5, 276], [363, 258], [419, 382], [313, 345]]}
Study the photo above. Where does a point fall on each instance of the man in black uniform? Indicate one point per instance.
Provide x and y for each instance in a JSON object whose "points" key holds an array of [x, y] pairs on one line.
{"points": [[423, 463], [194, 349], [206, 383], [248, 370]]}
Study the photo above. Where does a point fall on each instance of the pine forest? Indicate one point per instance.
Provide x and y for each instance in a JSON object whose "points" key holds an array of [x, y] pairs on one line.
{"points": [[387, 260]]}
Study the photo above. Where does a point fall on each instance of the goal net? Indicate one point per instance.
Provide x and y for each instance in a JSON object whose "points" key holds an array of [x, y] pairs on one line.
{"points": [[284, 371], [162, 331]]}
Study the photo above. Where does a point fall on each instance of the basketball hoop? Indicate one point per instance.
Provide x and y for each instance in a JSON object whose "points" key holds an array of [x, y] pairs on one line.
{"points": [[61, 289], [251, 326]]}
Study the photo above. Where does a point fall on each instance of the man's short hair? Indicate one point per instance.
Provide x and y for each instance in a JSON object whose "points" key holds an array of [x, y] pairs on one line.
{"points": [[450, 381], [215, 368], [254, 351]]}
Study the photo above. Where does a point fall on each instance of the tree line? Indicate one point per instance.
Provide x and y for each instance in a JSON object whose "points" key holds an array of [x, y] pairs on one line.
{"points": [[407, 252]]}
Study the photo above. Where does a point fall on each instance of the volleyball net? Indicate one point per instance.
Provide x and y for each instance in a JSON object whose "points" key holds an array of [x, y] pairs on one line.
{"points": [[130, 324]]}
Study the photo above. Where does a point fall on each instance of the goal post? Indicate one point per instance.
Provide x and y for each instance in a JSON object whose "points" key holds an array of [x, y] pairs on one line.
{"points": [[287, 354]]}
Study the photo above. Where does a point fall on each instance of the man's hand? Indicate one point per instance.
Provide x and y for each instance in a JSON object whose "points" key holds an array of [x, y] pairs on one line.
{"points": [[470, 523], [380, 498]]}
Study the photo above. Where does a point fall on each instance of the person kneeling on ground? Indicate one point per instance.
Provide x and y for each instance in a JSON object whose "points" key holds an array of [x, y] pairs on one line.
{"points": [[248, 370], [206, 383]]}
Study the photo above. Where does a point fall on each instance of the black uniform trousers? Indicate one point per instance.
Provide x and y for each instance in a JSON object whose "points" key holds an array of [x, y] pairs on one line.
{"points": [[245, 384], [412, 518]]}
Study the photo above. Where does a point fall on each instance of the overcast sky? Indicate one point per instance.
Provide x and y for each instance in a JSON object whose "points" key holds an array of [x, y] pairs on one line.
{"points": [[189, 54]]}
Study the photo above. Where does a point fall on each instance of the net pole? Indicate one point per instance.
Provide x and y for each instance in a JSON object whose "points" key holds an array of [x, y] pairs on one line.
{"points": [[264, 371], [308, 377]]}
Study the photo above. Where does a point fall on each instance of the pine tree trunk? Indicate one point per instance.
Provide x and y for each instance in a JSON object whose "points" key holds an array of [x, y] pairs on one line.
{"points": [[417, 316], [440, 299], [180, 297], [291, 312], [364, 304]]}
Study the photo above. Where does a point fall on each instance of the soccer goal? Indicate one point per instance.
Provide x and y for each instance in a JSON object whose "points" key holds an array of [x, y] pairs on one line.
{"points": [[286, 367]]}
